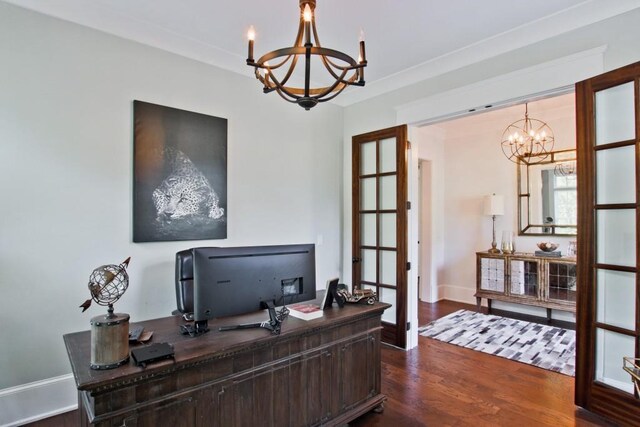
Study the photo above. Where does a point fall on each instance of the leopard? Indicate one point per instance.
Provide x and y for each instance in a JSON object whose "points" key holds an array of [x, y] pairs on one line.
{"points": [[185, 192]]}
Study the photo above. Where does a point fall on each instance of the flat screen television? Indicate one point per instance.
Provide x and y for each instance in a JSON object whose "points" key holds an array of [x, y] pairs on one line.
{"points": [[218, 282]]}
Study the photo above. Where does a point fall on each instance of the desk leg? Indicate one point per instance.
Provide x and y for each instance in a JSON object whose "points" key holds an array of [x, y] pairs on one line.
{"points": [[479, 304], [488, 305], [84, 420], [548, 315]]}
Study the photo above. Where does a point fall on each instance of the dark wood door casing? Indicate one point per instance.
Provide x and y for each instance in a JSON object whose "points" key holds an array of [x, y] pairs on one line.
{"points": [[391, 334], [589, 393]]}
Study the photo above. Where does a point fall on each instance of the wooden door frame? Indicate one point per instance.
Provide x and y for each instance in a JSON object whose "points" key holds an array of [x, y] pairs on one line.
{"points": [[395, 334], [594, 396]]}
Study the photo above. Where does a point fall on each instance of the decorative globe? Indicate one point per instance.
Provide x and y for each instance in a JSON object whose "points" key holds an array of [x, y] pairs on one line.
{"points": [[107, 284]]}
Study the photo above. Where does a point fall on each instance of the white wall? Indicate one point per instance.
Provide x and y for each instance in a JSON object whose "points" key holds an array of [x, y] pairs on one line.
{"points": [[475, 166], [66, 96]]}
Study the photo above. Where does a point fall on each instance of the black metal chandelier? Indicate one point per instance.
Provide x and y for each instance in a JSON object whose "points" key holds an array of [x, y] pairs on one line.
{"points": [[342, 69]]}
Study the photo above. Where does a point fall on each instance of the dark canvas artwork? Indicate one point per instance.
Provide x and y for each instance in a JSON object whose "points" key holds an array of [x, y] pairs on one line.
{"points": [[180, 175]]}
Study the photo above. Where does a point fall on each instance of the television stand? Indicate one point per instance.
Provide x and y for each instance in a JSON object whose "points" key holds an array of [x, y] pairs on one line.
{"points": [[273, 324]]}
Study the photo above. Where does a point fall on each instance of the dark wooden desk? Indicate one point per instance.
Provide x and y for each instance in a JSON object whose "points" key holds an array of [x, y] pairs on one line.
{"points": [[319, 372]]}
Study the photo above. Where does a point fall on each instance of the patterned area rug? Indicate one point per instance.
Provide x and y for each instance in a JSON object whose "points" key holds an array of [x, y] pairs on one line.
{"points": [[544, 346]]}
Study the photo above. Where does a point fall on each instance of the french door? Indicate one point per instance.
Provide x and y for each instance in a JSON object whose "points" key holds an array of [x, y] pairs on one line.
{"points": [[608, 311], [379, 200]]}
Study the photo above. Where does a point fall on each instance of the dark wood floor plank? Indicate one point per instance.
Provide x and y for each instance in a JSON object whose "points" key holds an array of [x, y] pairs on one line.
{"points": [[439, 384]]}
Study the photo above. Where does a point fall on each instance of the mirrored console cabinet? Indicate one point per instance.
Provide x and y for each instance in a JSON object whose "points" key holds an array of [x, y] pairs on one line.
{"points": [[521, 278]]}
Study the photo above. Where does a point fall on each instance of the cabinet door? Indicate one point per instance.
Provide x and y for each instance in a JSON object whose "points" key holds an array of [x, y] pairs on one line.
{"points": [[524, 278], [491, 274], [266, 397], [359, 375], [562, 283], [180, 412]]}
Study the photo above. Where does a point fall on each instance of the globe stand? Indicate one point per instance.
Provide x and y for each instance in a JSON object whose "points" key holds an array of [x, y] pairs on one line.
{"points": [[109, 340]]}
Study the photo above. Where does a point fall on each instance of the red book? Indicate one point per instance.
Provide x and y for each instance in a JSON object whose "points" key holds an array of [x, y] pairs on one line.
{"points": [[305, 311]]}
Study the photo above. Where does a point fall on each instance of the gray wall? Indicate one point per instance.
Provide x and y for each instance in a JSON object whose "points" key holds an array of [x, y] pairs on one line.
{"points": [[66, 115]]}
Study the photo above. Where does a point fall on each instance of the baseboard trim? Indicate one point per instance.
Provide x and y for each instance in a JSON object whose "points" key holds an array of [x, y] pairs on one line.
{"points": [[38, 400]]}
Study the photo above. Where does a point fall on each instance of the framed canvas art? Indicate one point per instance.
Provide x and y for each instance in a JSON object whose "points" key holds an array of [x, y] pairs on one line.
{"points": [[180, 174]]}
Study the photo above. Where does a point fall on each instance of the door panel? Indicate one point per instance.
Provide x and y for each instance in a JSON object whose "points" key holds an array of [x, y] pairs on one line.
{"points": [[380, 223], [608, 316], [615, 298]]}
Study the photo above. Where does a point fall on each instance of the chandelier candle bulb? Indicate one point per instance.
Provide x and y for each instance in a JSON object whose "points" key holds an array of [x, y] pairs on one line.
{"points": [[251, 35], [362, 61], [307, 24], [362, 57], [266, 77], [307, 13]]}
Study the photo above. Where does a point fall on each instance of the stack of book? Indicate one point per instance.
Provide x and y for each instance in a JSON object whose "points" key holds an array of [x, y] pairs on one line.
{"points": [[305, 311], [552, 253]]}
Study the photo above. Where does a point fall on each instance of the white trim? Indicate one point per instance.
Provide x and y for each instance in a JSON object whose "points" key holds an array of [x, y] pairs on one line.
{"points": [[412, 244], [545, 79], [38, 400]]}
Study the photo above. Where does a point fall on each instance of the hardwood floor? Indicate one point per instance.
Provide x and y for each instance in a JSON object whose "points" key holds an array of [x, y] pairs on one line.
{"points": [[439, 384]]}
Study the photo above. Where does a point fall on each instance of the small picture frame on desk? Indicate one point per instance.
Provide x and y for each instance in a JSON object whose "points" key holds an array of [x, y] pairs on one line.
{"points": [[330, 294]]}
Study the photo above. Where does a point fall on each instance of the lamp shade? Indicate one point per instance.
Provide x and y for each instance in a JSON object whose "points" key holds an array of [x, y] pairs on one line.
{"points": [[494, 205]]}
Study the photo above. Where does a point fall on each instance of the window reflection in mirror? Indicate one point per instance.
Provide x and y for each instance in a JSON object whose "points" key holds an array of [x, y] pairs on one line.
{"points": [[547, 194]]}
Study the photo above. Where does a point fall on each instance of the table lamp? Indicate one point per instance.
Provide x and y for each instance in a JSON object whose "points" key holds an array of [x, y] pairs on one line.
{"points": [[494, 205]]}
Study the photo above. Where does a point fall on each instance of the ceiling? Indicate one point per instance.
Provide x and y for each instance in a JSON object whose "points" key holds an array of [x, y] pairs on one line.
{"points": [[407, 40]]}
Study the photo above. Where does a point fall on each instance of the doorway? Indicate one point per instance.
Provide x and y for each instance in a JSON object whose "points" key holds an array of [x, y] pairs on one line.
{"points": [[461, 161], [427, 279]]}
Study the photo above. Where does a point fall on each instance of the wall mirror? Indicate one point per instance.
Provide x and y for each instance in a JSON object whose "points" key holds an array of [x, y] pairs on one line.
{"points": [[547, 195]]}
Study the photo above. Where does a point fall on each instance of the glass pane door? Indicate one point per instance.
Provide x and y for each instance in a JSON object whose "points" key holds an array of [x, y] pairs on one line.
{"points": [[608, 316], [615, 212], [380, 225]]}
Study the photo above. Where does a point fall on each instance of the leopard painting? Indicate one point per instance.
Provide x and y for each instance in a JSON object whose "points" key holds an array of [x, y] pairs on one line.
{"points": [[185, 193]]}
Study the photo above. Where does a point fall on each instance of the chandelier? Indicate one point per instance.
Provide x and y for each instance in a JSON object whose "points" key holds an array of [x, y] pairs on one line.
{"points": [[527, 141], [275, 69]]}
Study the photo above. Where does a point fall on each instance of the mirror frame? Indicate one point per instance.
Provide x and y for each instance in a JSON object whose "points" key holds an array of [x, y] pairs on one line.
{"points": [[524, 225]]}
